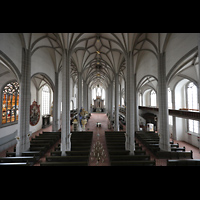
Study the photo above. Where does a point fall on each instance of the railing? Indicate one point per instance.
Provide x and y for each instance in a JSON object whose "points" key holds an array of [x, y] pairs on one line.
{"points": [[195, 115]]}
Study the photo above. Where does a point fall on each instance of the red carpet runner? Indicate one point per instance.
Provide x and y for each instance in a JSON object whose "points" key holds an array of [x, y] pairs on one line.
{"points": [[91, 125]]}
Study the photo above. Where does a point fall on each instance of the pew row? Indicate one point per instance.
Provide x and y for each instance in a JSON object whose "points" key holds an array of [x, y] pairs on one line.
{"points": [[119, 156], [79, 154], [38, 147]]}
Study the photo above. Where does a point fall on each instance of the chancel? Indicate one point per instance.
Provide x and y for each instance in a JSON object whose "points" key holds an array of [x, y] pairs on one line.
{"points": [[106, 99], [99, 99]]}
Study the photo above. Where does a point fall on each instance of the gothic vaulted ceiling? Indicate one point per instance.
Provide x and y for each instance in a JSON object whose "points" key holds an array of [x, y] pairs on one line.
{"points": [[98, 56]]}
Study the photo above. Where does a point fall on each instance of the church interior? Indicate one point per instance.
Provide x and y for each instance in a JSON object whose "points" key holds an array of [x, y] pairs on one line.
{"points": [[99, 99]]}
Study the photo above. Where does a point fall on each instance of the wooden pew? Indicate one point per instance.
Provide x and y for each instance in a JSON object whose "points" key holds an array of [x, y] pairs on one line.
{"points": [[185, 162], [67, 158], [178, 149], [120, 157], [175, 155], [128, 157], [64, 163], [10, 154], [21, 159], [119, 152], [79, 154], [175, 145], [15, 164], [133, 163], [71, 153], [38, 146]]}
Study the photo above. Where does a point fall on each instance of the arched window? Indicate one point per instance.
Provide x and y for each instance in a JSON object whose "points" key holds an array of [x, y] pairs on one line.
{"points": [[170, 105], [93, 95], [192, 96], [45, 100], [153, 98], [71, 105], [140, 99], [98, 91], [103, 95], [169, 98], [192, 103], [10, 103]]}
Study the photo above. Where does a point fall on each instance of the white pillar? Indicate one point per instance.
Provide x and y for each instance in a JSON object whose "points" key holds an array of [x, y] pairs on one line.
{"points": [[85, 95], [116, 102], [199, 76], [55, 104], [108, 99], [130, 105], [120, 95], [198, 89], [163, 124], [111, 100], [23, 143], [79, 97], [65, 131]]}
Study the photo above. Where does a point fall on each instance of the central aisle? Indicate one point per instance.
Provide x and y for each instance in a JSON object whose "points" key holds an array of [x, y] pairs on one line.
{"points": [[91, 125]]}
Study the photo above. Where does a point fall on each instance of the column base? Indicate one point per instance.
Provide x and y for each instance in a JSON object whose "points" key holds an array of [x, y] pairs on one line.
{"points": [[164, 147]]}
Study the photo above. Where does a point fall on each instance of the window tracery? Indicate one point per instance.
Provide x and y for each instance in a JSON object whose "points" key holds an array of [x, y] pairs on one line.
{"points": [[10, 102]]}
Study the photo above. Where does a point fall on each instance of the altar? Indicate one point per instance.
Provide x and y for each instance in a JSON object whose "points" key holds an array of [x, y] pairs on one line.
{"points": [[98, 104]]}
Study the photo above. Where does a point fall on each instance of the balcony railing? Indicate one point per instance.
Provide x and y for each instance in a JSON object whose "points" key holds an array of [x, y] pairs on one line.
{"points": [[188, 114]]}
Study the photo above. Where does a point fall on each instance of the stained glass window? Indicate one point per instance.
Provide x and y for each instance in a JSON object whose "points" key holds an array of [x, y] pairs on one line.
{"points": [[10, 103]]}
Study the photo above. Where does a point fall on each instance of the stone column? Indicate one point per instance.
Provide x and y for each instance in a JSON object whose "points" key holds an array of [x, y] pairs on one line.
{"points": [[55, 104], [79, 97], [116, 102], [120, 95], [23, 134], [199, 74], [111, 100], [198, 89], [163, 125], [65, 131], [85, 99], [125, 92], [173, 117], [89, 98], [130, 105], [108, 99]]}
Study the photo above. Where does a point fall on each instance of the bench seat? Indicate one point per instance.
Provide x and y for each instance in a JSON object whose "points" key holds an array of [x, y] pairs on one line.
{"points": [[129, 157], [132, 163], [185, 162], [25, 159], [15, 164], [119, 152], [175, 155], [64, 164], [67, 158]]}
